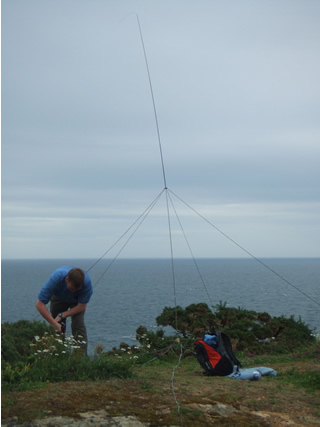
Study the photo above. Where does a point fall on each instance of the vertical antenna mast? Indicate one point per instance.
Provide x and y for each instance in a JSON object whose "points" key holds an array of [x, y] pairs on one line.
{"points": [[154, 104]]}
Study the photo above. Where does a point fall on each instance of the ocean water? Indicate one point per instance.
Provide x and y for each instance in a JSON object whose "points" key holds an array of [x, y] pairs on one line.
{"points": [[134, 292]]}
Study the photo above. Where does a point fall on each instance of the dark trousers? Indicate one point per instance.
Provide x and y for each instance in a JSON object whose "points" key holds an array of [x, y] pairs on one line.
{"points": [[78, 327]]}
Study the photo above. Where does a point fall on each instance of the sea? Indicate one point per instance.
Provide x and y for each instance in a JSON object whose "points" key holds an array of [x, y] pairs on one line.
{"points": [[128, 293]]}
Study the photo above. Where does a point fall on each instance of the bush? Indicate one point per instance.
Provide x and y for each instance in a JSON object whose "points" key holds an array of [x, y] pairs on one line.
{"points": [[30, 357], [189, 321], [248, 330], [16, 338]]}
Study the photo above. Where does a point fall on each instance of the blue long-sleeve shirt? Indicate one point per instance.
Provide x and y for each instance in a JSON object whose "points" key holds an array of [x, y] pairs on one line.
{"points": [[57, 286]]}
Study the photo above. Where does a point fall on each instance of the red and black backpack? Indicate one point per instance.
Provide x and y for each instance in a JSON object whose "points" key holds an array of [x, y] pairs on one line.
{"points": [[215, 355]]}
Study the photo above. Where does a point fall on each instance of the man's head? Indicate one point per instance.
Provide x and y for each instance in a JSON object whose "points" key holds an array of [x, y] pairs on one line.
{"points": [[75, 279]]}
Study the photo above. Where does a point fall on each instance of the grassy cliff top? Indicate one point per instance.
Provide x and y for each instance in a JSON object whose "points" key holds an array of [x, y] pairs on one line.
{"points": [[164, 392]]}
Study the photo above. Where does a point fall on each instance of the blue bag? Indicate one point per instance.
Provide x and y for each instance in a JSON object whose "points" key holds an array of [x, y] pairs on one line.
{"points": [[252, 374]]}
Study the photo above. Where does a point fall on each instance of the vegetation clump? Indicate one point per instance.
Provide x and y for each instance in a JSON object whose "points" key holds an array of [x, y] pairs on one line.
{"points": [[248, 330], [145, 380], [33, 353]]}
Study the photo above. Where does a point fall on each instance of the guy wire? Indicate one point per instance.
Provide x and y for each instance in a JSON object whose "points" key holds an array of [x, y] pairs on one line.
{"points": [[141, 218], [176, 312], [143, 213], [191, 252], [246, 251], [172, 263]]}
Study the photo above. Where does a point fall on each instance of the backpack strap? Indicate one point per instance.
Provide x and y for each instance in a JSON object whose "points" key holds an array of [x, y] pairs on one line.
{"points": [[225, 348]]}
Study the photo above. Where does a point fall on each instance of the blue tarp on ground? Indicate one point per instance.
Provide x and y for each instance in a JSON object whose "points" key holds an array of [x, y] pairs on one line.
{"points": [[251, 373]]}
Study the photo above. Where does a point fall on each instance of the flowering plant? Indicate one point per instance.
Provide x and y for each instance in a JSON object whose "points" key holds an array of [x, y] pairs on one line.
{"points": [[55, 345]]}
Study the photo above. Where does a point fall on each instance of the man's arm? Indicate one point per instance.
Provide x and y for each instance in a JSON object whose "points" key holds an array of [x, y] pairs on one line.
{"points": [[41, 307], [79, 308]]}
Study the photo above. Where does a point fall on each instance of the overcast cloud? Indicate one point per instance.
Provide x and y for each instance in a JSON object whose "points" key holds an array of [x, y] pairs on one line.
{"points": [[237, 92]]}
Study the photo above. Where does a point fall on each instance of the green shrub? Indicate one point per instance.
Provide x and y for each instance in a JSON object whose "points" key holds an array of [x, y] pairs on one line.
{"points": [[189, 321], [309, 380], [248, 330], [78, 368], [14, 374], [16, 338], [30, 357]]}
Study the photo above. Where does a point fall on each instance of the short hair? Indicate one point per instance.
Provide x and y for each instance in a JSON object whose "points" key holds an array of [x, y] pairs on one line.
{"points": [[76, 277]]}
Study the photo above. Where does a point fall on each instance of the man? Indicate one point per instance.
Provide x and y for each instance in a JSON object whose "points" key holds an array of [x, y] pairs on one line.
{"points": [[69, 290]]}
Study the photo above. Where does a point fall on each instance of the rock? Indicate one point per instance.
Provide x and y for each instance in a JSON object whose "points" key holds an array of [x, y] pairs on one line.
{"points": [[129, 421], [218, 408], [87, 419], [223, 409], [10, 422]]}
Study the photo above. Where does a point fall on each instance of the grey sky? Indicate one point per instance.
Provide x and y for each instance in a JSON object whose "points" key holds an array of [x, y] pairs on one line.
{"points": [[237, 92]]}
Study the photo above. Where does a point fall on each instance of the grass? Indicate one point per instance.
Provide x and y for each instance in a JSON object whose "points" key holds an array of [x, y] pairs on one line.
{"points": [[148, 395], [43, 375], [309, 380]]}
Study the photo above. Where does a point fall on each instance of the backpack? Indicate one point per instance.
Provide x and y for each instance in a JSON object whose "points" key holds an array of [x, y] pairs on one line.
{"points": [[215, 355]]}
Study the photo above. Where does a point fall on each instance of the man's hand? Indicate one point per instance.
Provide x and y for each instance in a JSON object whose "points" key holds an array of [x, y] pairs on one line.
{"points": [[59, 328], [61, 322], [41, 307]]}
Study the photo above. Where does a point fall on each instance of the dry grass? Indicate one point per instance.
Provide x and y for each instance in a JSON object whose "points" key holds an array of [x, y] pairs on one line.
{"points": [[149, 396]]}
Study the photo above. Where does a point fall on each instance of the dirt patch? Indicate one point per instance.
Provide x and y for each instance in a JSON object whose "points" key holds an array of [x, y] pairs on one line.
{"points": [[155, 397]]}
